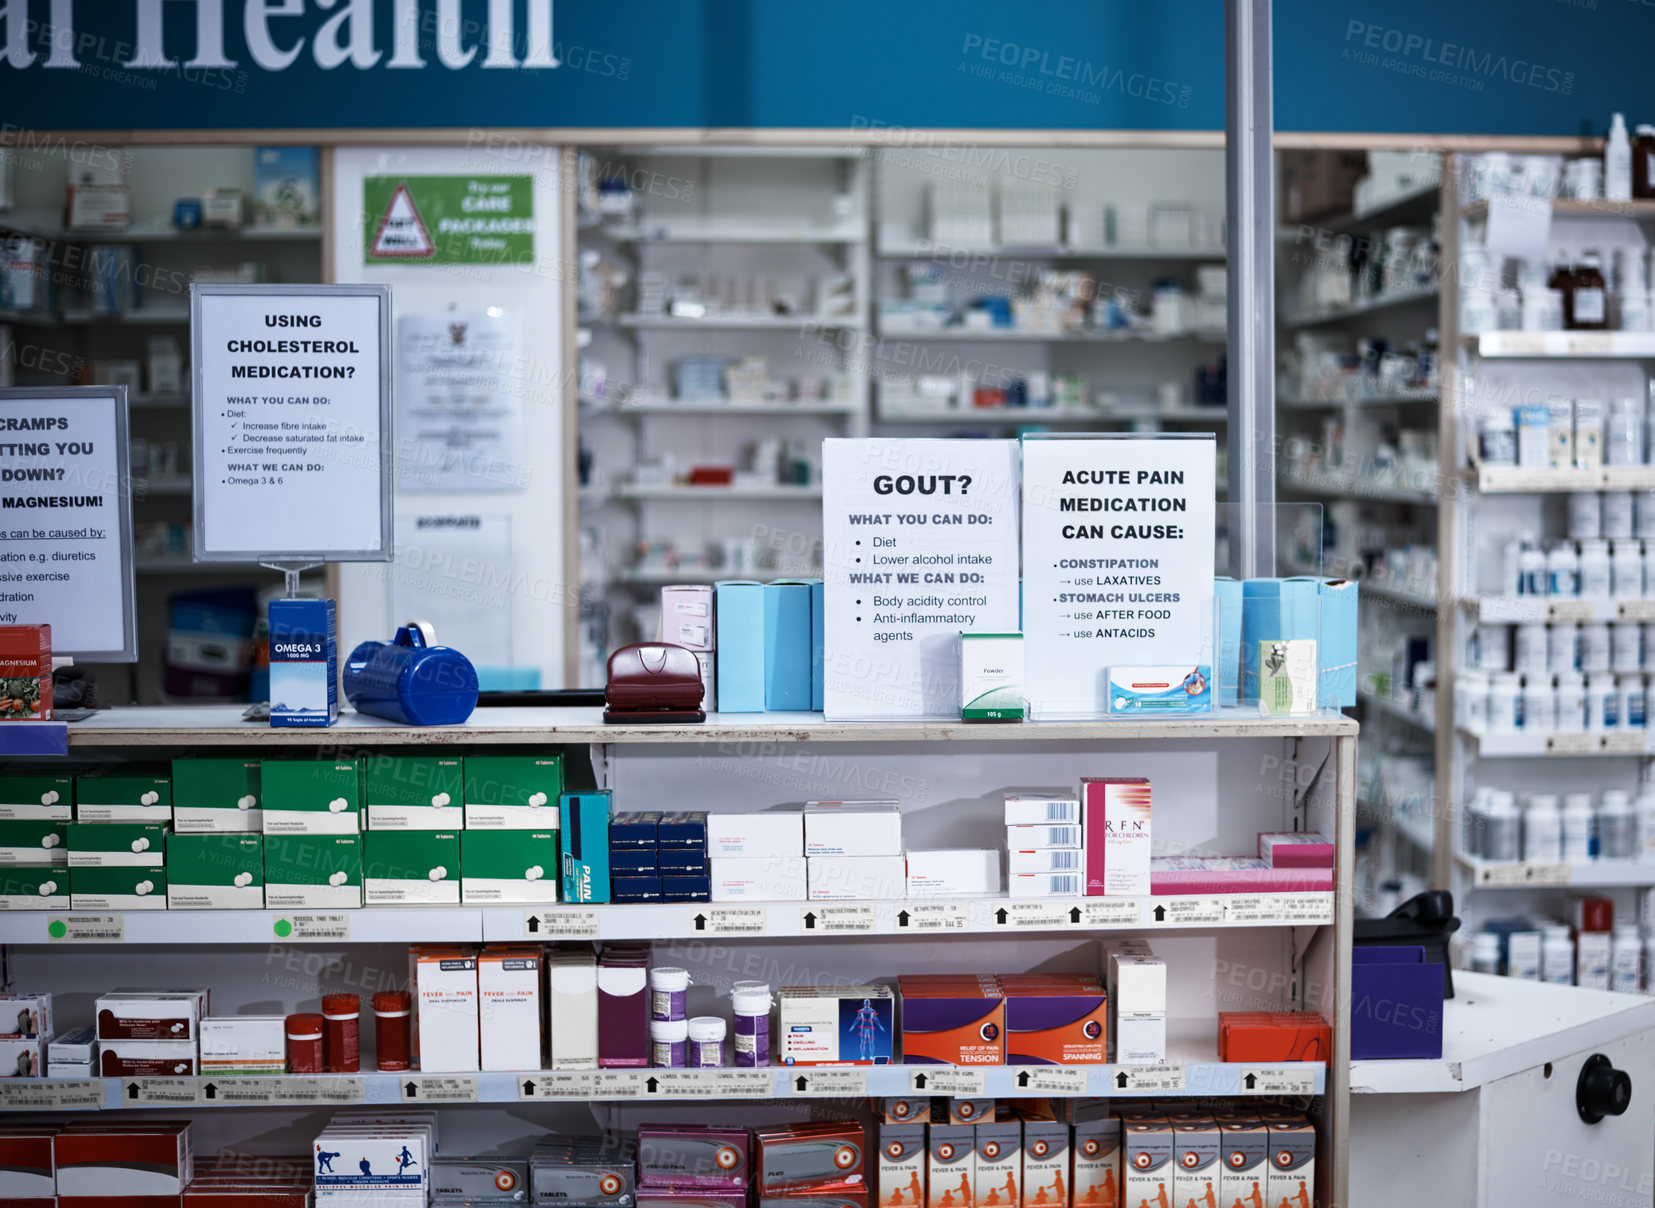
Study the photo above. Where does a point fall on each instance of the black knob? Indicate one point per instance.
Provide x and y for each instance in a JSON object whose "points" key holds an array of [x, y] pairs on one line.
{"points": [[1602, 1090]]}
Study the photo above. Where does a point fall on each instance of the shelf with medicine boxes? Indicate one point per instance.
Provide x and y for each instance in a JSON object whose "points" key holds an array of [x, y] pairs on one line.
{"points": [[1352, 486], [1564, 345], [1569, 207], [1397, 709], [1356, 310], [1580, 874], [1525, 480]]}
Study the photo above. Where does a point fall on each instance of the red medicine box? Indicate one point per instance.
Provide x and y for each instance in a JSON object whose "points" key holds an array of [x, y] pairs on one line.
{"points": [[25, 672]]}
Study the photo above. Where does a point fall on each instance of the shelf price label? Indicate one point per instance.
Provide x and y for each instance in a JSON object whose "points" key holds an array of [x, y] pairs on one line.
{"points": [[1622, 742], [581, 1084], [239, 1092], [1278, 1080], [947, 1080], [86, 929], [332, 1090], [1037, 916], [1571, 610], [932, 916], [728, 920], [823, 919], [302, 928], [1051, 1080], [560, 925], [1112, 912], [1571, 744], [1635, 610], [42, 1095], [439, 1089], [173, 1092], [709, 1084], [826, 1083], [1186, 912], [1138, 1079], [1505, 875]]}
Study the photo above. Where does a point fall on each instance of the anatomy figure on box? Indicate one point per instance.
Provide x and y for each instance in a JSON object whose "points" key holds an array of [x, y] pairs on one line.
{"points": [[867, 1024], [324, 1161]]}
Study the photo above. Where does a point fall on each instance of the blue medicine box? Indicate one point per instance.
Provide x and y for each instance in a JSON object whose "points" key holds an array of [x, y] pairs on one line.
{"points": [[689, 887], [818, 641], [739, 607], [585, 838], [630, 861], [636, 889], [683, 830], [1336, 651], [787, 645], [304, 662], [1227, 593], [635, 831], [1275, 610]]}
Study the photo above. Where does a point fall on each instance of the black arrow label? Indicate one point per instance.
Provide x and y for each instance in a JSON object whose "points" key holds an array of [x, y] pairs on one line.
{"points": [[1120, 1080], [902, 919], [810, 921], [700, 922], [132, 1090], [1074, 914], [919, 1082], [534, 923], [800, 1083], [528, 1086], [653, 1085], [411, 1090], [1160, 914], [1023, 1078], [210, 1091], [1000, 915], [1249, 1082]]}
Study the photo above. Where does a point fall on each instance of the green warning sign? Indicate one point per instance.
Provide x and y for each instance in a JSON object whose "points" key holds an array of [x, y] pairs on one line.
{"points": [[448, 219]]}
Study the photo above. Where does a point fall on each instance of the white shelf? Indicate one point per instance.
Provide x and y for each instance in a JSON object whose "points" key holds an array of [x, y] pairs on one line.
{"points": [[44, 224], [703, 408], [633, 491], [1397, 595], [1389, 707], [637, 234], [1515, 610], [1568, 207], [741, 323], [1385, 302], [370, 925], [222, 725], [1408, 395], [660, 578], [1519, 480], [926, 250], [1566, 344], [1494, 1027], [1022, 335], [1583, 874], [1522, 745], [1015, 416], [1347, 486], [1413, 206]]}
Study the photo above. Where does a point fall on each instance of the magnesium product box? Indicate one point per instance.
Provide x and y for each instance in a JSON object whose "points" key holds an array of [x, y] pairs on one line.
{"points": [[508, 1006], [991, 677], [792, 1159], [1292, 1170], [757, 879], [700, 1156], [243, 1044], [787, 646], [304, 663], [121, 888], [572, 1006], [778, 832], [586, 846], [1243, 1154], [508, 866], [312, 871], [136, 796], [953, 872], [215, 872], [1295, 849], [446, 1009], [216, 795], [1196, 1142], [476, 1181], [34, 841], [1042, 809], [687, 615], [1117, 812], [740, 621], [414, 792], [311, 796], [846, 878], [36, 795], [411, 866], [125, 1162], [1150, 1171], [950, 1162], [853, 828], [901, 1171], [512, 792], [840, 1025], [26, 672], [1097, 1156], [35, 887], [117, 844], [952, 1021], [998, 1165]]}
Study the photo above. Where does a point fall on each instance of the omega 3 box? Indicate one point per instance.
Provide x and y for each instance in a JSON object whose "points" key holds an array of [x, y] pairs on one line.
{"points": [[311, 796], [33, 795], [312, 870], [216, 796], [25, 672], [304, 663], [512, 792], [215, 872], [508, 866], [417, 866], [414, 793]]}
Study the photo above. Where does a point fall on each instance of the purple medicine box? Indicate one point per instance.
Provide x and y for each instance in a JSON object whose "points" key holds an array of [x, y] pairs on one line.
{"points": [[1396, 1004], [692, 1156], [623, 1006]]}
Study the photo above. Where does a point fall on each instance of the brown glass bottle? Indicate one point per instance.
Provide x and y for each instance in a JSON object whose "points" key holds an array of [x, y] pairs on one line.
{"points": [[1643, 162], [1586, 297]]}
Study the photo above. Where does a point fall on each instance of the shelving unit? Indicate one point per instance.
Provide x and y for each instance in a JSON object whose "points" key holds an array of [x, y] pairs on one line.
{"points": [[951, 777]]}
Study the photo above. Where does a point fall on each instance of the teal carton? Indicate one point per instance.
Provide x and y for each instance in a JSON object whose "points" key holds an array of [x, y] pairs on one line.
{"points": [[1274, 610], [818, 642], [1336, 652], [739, 610], [585, 847], [787, 645]]}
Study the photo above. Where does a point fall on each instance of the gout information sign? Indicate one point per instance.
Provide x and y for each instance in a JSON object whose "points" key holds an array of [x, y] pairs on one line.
{"points": [[66, 519], [919, 545], [1117, 561], [292, 422]]}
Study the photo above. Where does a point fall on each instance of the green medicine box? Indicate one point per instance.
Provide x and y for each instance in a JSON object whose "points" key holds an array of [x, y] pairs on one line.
{"points": [[125, 796], [216, 796], [411, 867], [119, 889], [31, 795], [117, 844], [414, 792], [34, 841], [313, 871], [34, 887], [215, 872], [508, 866], [512, 792], [311, 797]]}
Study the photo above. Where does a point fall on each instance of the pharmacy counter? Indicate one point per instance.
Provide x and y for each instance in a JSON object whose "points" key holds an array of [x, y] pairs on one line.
{"points": [[1496, 1121]]}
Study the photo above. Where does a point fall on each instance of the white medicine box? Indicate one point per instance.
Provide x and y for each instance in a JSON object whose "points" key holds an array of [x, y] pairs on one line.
{"points": [[853, 828]]}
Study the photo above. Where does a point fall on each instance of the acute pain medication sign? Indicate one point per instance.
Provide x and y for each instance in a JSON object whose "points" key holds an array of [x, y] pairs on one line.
{"points": [[1117, 562]]}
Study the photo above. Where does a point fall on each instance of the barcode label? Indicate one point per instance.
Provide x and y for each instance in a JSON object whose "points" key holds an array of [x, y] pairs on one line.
{"points": [[1064, 859], [1066, 885], [1060, 811], [1024, 837]]}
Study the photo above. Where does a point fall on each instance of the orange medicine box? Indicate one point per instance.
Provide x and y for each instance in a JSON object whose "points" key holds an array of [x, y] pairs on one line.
{"points": [[952, 1022], [950, 1159], [797, 1158], [1292, 1167], [1055, 1020], [25, 672], [1195, 1160], [999, 1160], [1096, 1181], [1243, 1153], [902, 1166], [1148, 1145], [1045, 1164], [1273, 1036]]}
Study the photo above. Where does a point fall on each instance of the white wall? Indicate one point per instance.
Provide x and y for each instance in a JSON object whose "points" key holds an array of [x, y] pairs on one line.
{"points": [[530, 588]]}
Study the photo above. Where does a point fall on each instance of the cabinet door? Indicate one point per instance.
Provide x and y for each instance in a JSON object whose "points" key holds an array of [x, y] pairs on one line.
{"points": [[1536, 1150]]}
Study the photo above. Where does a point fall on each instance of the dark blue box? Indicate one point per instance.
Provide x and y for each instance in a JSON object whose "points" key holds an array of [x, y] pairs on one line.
{"points": [[634, 889], [631, 861], [1396, 1004], [633, 831], [682, 829], [681, 864], [693, 888], [304, 663]]}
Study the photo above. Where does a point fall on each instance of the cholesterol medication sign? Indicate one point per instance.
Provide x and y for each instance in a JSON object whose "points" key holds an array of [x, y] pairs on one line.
{"points": [[1117, 561], [292, 422], [919, 545], [66, 519]]}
